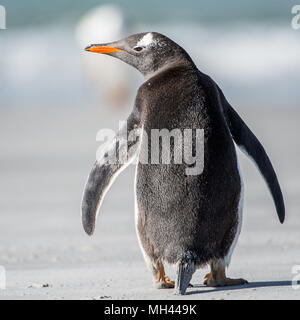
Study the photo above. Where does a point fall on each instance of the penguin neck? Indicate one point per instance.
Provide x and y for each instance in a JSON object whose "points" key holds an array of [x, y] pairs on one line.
{"points": [[189, 64]]}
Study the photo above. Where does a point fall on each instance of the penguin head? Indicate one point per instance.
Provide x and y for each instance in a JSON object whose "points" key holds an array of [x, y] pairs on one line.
{"points": [[148, 52]]}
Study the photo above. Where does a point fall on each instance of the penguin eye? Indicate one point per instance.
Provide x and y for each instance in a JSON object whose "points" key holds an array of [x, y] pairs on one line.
{"points": [[138, 49]]}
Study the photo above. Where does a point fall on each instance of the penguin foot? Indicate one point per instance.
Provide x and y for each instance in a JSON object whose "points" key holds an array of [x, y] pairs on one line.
{"points": [[162, 280], [222, 281], [165, 283]]}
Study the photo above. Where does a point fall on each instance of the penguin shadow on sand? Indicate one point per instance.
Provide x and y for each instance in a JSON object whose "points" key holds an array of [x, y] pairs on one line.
{"points": [[200, 288]]}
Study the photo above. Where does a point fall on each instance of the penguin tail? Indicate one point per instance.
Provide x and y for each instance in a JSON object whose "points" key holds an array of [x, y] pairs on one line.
{"points": [[185, 270]]}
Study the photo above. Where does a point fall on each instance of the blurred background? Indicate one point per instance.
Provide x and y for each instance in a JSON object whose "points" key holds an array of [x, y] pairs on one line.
{"points": [[248, 46], [54, 97]]}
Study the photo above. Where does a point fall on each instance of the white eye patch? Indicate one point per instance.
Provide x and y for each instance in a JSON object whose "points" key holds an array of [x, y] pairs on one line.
{"points": [[147, 40]]}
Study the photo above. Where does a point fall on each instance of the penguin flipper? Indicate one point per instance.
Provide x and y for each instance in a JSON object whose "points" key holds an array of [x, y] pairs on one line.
{"points": [[250, 145], [106, 169]]}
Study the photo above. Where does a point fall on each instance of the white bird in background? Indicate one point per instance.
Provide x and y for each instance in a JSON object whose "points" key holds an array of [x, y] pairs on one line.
{"points": [[113, 81]]}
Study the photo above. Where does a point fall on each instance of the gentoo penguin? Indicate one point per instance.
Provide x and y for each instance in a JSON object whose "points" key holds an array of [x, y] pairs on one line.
{"points": [[184, 220]]}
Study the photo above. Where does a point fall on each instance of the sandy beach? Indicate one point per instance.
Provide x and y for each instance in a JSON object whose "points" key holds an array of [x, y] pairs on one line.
{"points": [[46, 155]]}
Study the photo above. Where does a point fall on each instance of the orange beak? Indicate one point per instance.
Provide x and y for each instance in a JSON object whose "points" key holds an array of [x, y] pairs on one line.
{"points": [[101, 49]]}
